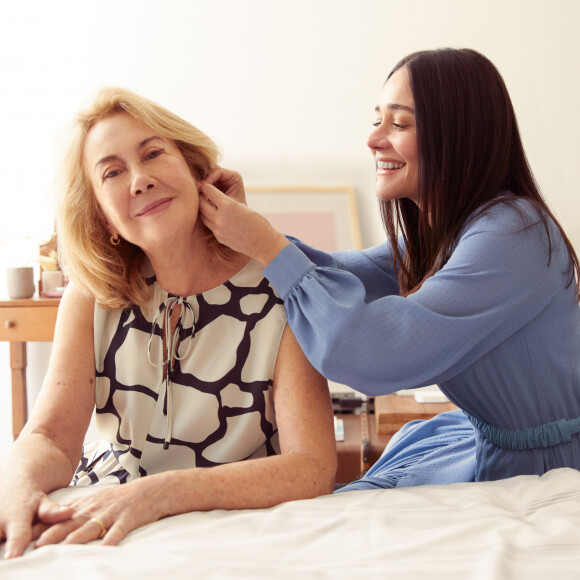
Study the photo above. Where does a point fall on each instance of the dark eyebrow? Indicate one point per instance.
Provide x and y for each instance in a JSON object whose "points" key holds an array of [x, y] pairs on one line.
{"points": [[116, 157], [395, 107]]}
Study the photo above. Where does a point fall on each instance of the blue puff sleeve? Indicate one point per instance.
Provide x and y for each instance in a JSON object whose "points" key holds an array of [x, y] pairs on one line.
{"points": [[354, 327]]}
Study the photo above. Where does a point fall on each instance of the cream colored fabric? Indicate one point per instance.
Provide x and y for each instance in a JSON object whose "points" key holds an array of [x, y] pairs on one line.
{"points": [[525, 528]]}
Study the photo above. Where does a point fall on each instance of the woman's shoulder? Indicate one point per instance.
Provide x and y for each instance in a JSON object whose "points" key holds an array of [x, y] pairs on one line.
{"points": [[514, 229], [505, 215], [507, 206]]}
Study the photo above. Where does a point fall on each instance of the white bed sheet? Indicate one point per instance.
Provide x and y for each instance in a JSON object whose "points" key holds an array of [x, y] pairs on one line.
{"points": [[524, 527]]}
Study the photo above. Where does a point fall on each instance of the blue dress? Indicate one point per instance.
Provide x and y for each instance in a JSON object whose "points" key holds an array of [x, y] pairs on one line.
{"points": [[497, 328]]}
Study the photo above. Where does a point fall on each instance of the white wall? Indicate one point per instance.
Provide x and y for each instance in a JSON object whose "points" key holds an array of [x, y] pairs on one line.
{"points": [[287, 89]]}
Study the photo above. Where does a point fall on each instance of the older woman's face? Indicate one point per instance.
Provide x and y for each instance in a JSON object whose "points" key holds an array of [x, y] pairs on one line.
{"points": [[393, 142], [141, 181]]}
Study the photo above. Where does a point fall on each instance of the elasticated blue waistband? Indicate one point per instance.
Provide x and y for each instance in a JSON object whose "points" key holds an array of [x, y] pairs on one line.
{"points": [[546, 435]]}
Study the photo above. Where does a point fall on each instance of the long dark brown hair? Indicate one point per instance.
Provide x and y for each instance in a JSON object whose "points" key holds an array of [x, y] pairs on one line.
{"points": [[469, 150]]}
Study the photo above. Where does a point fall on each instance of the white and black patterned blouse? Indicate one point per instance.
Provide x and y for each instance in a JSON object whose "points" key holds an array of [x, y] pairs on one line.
{"points": [[213, 405]]}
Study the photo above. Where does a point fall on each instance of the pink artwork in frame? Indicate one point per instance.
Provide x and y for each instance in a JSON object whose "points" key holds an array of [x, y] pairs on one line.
{"points": [[323, 217]]}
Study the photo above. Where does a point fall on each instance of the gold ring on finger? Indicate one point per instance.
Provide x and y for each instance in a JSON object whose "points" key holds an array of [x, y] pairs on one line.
{"points": [[101, 524]]}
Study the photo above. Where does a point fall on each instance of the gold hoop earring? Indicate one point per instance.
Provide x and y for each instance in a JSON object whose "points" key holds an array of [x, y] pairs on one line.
{"points": [[115, 240]]}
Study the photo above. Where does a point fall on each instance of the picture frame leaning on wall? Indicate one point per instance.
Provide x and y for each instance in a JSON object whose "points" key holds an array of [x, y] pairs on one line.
{"points": [[327, 219], [323, 217]]}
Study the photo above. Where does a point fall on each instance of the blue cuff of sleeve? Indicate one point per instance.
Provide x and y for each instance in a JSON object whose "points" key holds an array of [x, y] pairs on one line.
{"points": [[287, 269]]}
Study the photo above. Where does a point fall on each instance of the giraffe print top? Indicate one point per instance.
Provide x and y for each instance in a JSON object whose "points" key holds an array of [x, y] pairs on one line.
{"points": [[203, 400]]}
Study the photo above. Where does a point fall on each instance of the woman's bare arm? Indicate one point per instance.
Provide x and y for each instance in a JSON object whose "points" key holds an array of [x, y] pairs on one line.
{"points": [[47, 451], [306, 467]]}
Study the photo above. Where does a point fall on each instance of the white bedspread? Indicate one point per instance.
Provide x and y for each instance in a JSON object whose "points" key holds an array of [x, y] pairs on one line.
{"points": [[525, 527]]}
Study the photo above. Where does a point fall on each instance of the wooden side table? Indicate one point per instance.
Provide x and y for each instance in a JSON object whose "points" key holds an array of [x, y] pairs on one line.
{"points": [[22, 321], [393, 411], [361, 447]]}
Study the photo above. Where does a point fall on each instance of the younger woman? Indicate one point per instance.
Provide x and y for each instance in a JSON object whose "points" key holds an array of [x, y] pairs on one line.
{"points": [[476, 289]]}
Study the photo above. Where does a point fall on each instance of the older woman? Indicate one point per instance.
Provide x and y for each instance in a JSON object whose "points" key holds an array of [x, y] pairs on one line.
{"points": [[478, 294], [180, 343]]}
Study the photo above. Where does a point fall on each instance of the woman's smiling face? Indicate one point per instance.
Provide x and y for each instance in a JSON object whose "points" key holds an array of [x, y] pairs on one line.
{"points": [[141, 181], [393, 142]]}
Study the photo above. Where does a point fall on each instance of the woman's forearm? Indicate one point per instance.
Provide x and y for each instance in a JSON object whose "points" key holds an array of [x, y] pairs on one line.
{"points": [[256, 483], [32, 467], [36, 462], [252, 484]]}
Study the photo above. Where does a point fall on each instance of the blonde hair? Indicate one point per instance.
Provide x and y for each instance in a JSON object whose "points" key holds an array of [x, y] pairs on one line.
{"points": [[112, 274]]}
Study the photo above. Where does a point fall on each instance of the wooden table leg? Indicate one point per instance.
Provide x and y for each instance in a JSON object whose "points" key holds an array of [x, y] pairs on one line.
{"points": [[19, 399], [365, 443]]}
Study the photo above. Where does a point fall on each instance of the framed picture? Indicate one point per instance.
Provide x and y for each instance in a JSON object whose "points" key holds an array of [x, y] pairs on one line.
{"points": [[323, 217]]}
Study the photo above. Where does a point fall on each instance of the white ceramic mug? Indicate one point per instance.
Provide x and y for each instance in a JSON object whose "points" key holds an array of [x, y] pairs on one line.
{"points": [[51, 280], [20, 282]]}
